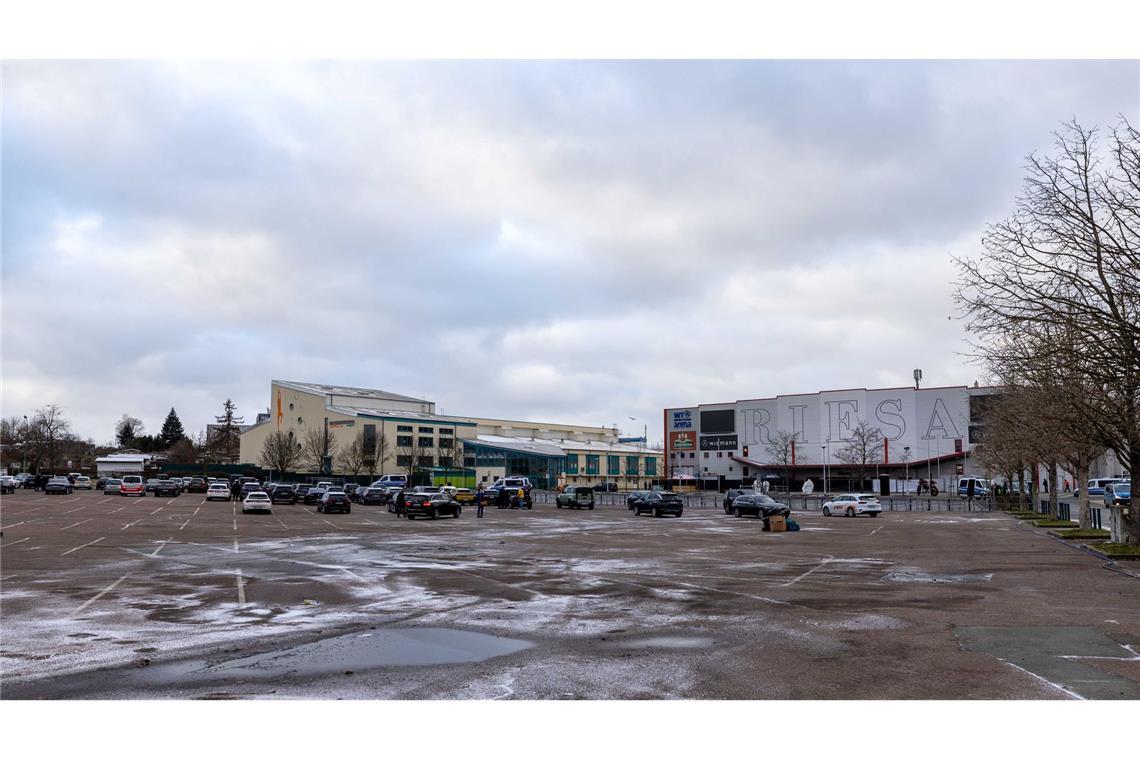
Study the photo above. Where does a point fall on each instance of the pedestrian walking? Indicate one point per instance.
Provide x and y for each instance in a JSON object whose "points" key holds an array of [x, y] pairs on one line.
{"points": [[479, 501], [235, 490], [401, 503], [1066, 485]]}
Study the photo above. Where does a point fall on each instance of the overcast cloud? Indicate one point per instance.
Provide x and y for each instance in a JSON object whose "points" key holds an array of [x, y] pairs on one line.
{"points": [[569, 242]]}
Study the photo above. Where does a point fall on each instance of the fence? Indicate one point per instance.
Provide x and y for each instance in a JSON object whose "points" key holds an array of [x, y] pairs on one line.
{"points": [[798, 502]]}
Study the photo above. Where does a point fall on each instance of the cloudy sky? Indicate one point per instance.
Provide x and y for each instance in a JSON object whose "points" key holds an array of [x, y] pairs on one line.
{"points": [[571, 242]]}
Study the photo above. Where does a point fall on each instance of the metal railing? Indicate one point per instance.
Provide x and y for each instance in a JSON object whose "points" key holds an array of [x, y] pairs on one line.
{"points": [[798, 502]]}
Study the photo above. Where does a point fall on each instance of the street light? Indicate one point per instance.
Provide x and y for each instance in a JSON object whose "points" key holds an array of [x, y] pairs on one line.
{"points": [[906, 461], [823, 448]]}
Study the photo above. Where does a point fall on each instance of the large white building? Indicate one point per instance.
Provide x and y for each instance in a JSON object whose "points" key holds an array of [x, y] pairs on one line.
{"points": [[928, 432], [488, 449]]}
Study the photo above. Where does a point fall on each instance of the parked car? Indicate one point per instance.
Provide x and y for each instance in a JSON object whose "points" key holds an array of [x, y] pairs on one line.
{"points": [[111, 486], [350, 489], [166, 488], [71, 476], [854, 504], [464, 495], [218, 492], [313, 495], [732, 495], [1118, 494], [84, 482], [150, 484], [758, 505], [282, 494], [132, 485], [400, 481], [634, 496], [508, 498], [431, 505], [659, 503], [247, 488], [197, 485], [1096, 486], [27, 480], [256, 501], [606, 487], [58, 484], [370, 495], [575, 497], [334, 501], [7, 484]]}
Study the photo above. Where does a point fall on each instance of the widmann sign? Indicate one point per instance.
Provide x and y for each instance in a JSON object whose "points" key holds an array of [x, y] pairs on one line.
{"points": [[718, 443], [684, 440]]}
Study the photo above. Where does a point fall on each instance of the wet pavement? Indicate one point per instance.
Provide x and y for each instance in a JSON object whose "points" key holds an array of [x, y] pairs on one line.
{"points": [[110, 597]]}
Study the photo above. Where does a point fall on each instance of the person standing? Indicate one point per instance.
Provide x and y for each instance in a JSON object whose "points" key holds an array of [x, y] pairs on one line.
{"points": [[235, 490], [401, 503], [479, 501]]}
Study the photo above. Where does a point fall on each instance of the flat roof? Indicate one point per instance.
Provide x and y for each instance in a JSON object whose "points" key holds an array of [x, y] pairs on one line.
{"points": [[839, 390], [320, 389], [396, 415]]}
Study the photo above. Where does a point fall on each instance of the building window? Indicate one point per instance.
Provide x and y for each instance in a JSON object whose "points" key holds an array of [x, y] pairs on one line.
{"points": [[369, 439], [403, 440], [592, 464], [290, 406], [446, 443], [403, 428], [469, 461], [706, 455], [300, 421], [426, 461], [427, 430], [651, 467], [613, 465], [692, 455], [446, 431], [631, 465], [571, 464], [445, 461], [403, 460], [745, 471], [426, 443], [719, 454]]}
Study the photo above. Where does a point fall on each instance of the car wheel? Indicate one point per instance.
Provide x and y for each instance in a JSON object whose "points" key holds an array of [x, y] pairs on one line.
{"points": [[410, 517], [458, 511], [826, 512], [434, 515], [874, 514], [348, 511], [590, 507], [850, 512], [736, 512], [657, 513]]}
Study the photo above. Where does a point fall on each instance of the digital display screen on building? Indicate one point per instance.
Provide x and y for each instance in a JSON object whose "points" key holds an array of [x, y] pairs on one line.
{"points": [[719, 421]]}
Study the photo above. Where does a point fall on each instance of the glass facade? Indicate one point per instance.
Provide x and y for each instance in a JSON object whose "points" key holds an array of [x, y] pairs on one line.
{"points": [[613, 465], [592, 464], [571, 464], [650, 467], [542, 470], [631, 466]]}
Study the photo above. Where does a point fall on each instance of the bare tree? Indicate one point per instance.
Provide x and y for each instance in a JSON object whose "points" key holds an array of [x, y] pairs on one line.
{"points": [[183, 452], [409, 454], [779, 450], [50, 428], [1065, 266], [383, 453], [279, 452], [127, 429], [863, 450], [351, 457], [318, 450]]}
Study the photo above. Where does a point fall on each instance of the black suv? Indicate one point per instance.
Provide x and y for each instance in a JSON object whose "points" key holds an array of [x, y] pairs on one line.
{"points": [[334, 501], [249, 487], [312, 494], [368, 495], [197, 485], [659, 503], [283, 494]]}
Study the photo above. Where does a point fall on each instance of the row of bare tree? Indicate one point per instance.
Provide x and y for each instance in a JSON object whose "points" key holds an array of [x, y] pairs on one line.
{"points": [[1052, 303], [318, 451]]}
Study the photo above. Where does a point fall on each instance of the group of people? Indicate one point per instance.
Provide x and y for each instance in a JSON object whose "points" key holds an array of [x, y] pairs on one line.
{"points": [[504, 499], [39, 482]]}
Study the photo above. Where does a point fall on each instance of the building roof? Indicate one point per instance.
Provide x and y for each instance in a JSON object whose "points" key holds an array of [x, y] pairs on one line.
{"points": [[396, 415], [114, 458], [343, 390], [556, 447]]}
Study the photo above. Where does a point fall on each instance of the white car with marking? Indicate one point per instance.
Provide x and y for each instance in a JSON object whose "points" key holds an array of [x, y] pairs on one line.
{"points": [[257, 501], [218, 492], [852, 505]]}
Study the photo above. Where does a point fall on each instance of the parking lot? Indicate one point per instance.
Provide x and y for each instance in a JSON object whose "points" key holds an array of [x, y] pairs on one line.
{"points": [[115, 597]]}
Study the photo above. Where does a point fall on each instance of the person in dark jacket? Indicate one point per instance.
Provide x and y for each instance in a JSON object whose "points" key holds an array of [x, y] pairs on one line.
{"points": [[401, 503], [479, 501], [235, 490]]}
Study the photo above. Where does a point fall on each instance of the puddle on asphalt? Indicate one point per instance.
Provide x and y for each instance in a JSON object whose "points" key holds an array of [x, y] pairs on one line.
{"points": [[351, 652], [669, 642]]}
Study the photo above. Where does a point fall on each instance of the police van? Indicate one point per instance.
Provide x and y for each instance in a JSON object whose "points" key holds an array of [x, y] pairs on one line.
{"points": [[981, 487]]}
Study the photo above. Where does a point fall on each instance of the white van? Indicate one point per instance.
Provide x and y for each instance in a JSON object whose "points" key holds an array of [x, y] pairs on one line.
{"points": [[390, 480], [1096, 486], [981, 487]]}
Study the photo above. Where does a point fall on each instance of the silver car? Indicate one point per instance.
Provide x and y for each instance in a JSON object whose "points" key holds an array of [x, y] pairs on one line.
{"points": [[113, 485]]}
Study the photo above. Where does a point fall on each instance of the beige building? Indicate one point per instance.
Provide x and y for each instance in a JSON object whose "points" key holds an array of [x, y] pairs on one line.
{"points": [[548, 453]]}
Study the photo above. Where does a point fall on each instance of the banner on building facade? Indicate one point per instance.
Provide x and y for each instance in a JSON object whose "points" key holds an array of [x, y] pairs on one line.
{"points": [[718, 443], [682, 441]]}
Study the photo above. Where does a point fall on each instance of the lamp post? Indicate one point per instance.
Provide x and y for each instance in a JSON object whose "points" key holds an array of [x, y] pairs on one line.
{"points": [[823, 449], [906, 461], [24, 448]]}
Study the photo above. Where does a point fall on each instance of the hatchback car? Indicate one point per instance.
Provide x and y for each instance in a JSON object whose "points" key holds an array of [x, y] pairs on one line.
{"points": [[7, 484], [334, 501], [197, 485], [313, 495], [853, 504], [111, 485], [166, 488], [218, 492], [431, 505], [659, 503], [1118, 494], [575, 497], [83, 482], [371, 495], [282, 494], [256, 501], [132, 485]]}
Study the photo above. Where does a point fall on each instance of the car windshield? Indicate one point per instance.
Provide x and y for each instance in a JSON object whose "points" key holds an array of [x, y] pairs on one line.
{"points": [[764, 499]]}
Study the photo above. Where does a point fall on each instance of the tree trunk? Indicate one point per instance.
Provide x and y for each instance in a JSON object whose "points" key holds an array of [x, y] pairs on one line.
{"points": [[1131, 516], [1053, 511]]}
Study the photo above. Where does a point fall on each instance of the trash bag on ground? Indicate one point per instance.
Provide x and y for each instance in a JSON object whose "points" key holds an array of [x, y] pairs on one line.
{"points": [[792, 524]]}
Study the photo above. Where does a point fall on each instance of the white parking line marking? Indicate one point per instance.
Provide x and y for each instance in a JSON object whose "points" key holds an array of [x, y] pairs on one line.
{"points": [[170, 502], [113, 511], [183, 525], [283, 525], [78, 523], [809, 572], [346, 571], [103, 502], [196, 511], [70, 501], [9, 527], [69, 551], [235, 545], [162, 546], [68, 512], [326, 522], [876, 530], [99, 596], [241, 587], [130, 524], [155, 512], [13, 543]]}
